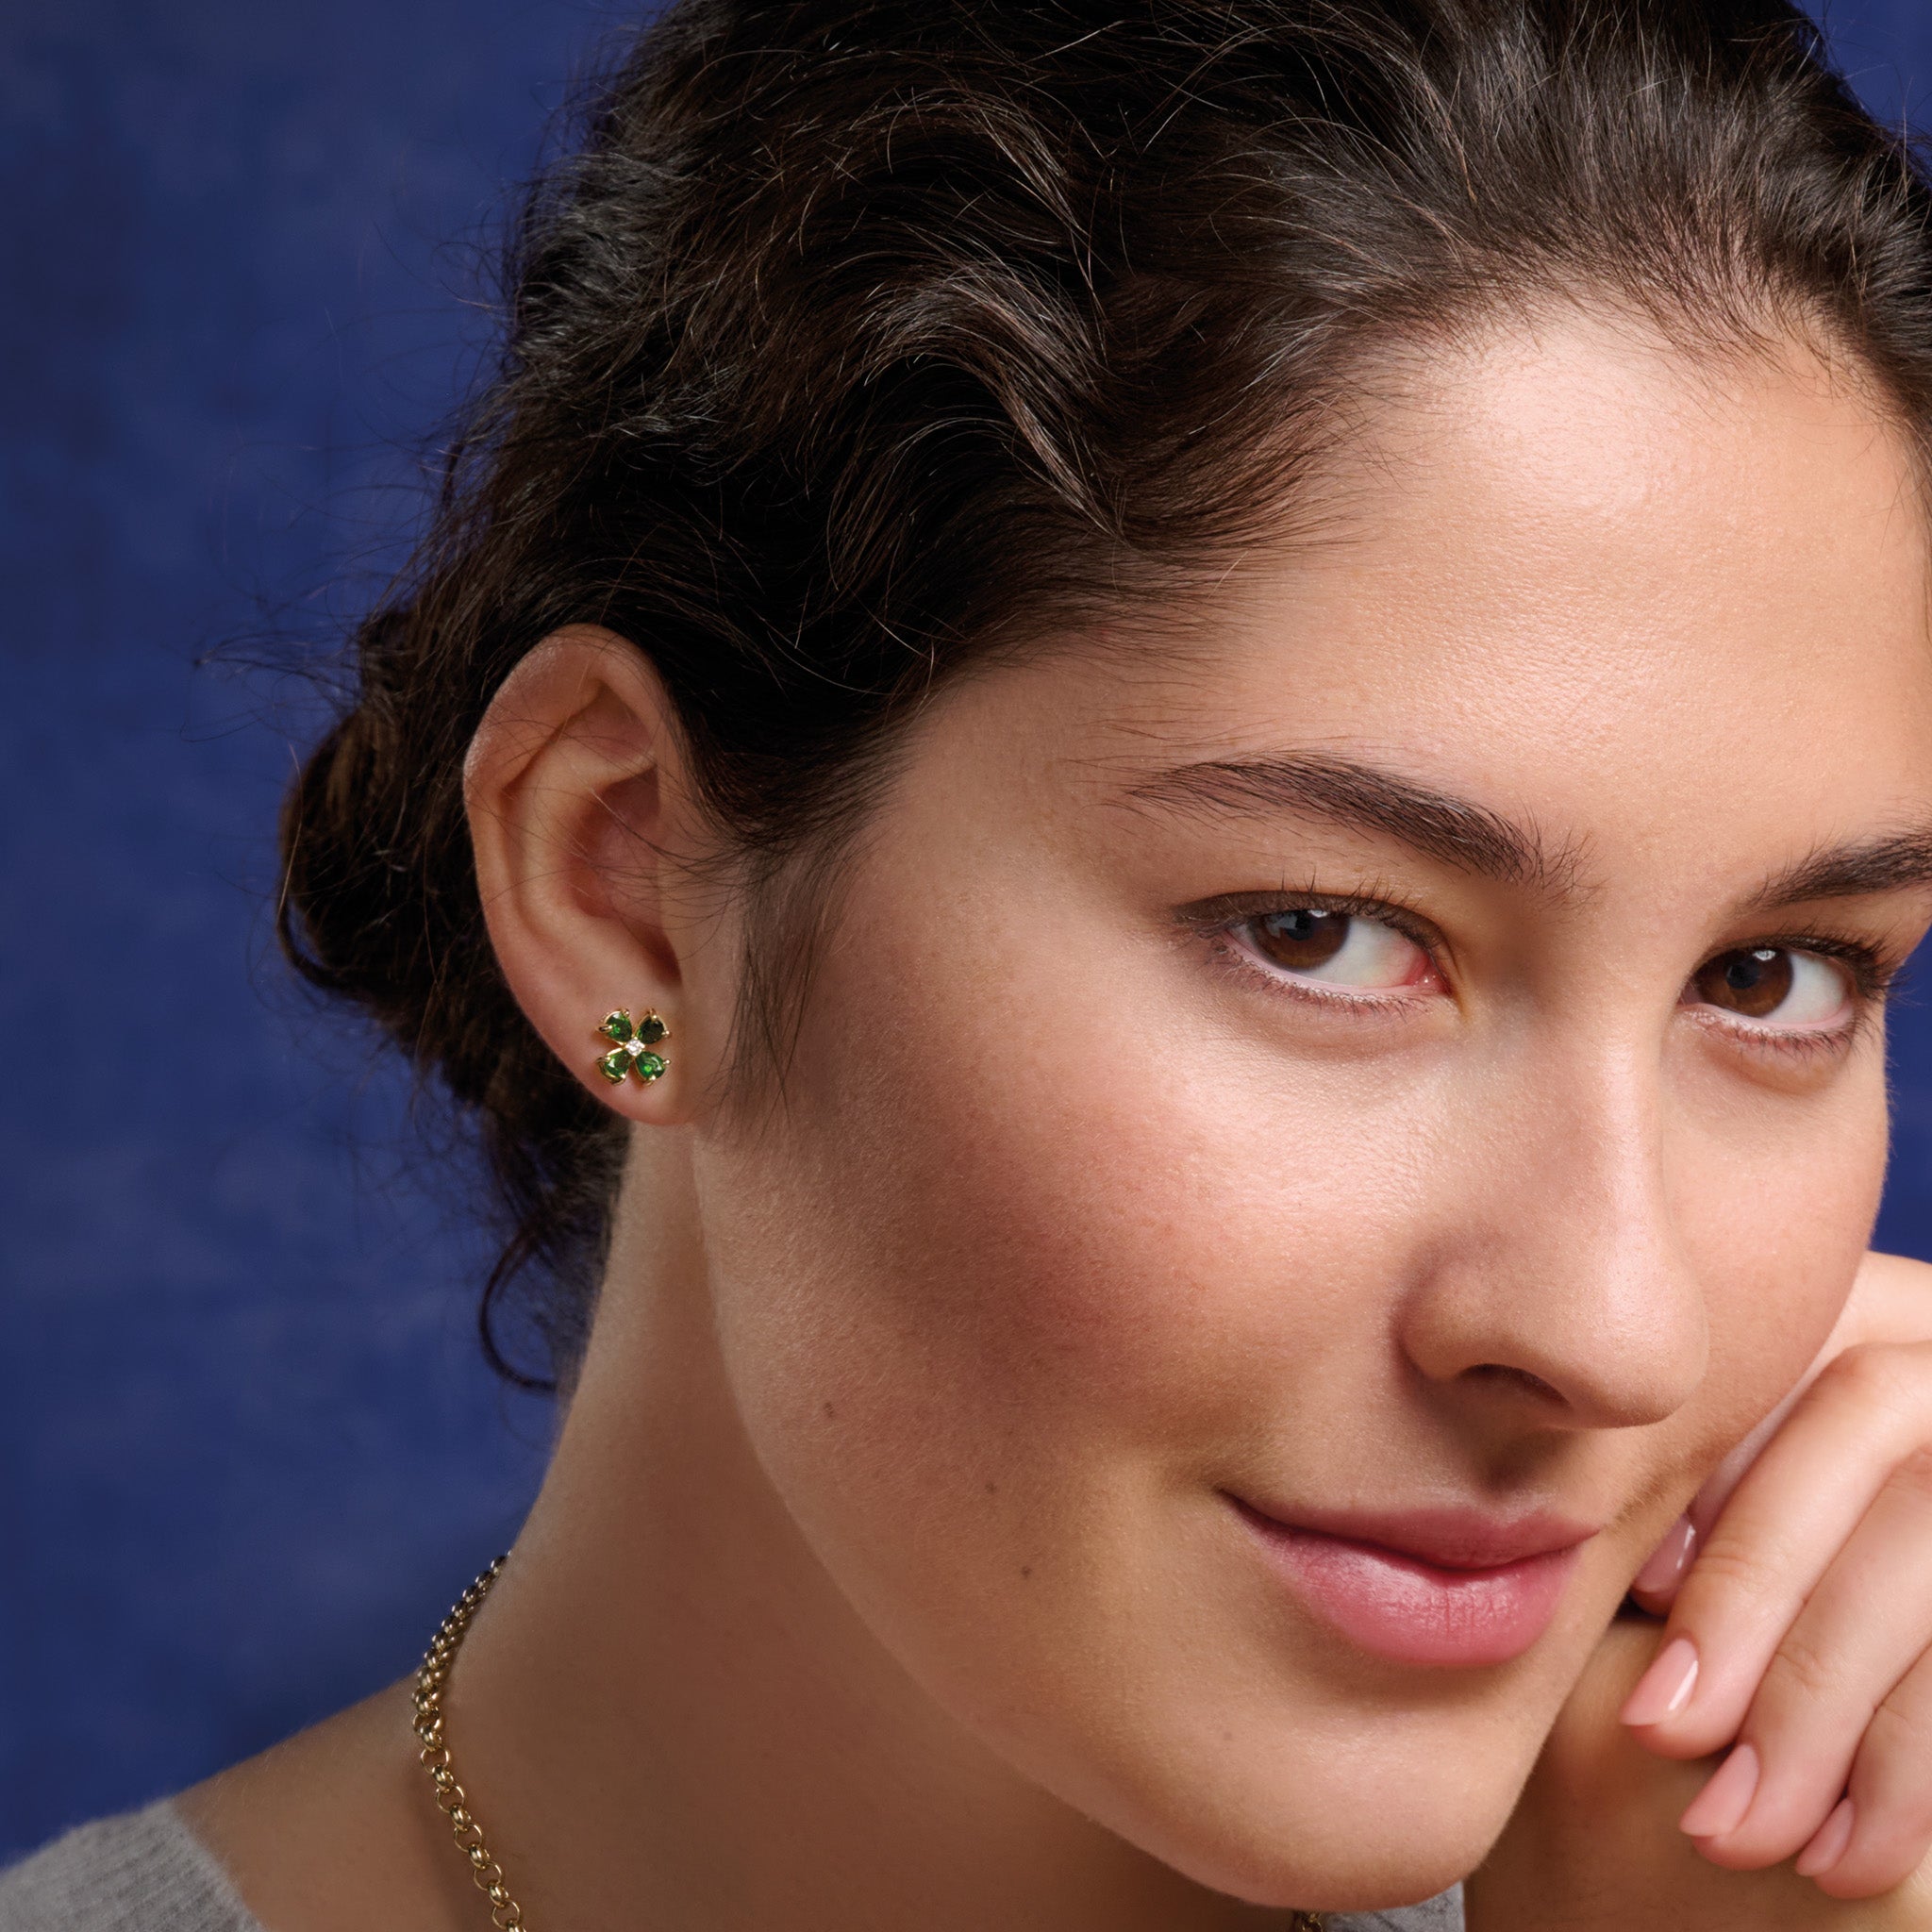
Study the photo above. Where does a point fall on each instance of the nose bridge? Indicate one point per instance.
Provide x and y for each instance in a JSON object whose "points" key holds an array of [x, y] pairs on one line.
{"points": [[1568, 1264]]}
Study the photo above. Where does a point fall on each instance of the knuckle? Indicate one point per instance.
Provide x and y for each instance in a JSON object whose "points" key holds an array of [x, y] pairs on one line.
{"points": [[1806, 1673], [1892, 1772], [1912, 1478], [1732, 1566]]}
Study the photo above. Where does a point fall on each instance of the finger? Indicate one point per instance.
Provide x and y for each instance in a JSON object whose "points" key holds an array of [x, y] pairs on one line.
{"points": [[1868, 1412], [1865, 1627], [1657, 1584], [1889, 1799]]}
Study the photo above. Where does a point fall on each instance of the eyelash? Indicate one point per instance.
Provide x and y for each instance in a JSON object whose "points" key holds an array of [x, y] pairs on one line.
{"points": [[1218, 920], [1870, 981]]}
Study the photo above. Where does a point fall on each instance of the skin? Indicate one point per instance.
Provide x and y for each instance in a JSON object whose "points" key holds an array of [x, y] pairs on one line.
{"points": [[1593, 1845], [1804, 1615], [886, 1573]]}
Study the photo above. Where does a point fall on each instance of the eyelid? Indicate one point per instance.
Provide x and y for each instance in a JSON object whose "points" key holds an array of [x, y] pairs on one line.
{"points": [[1796, 1042], [1867, 962], [1231, 909], [1217, 919]]}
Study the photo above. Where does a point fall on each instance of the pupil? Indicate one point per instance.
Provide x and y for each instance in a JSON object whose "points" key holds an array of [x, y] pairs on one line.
{"points": [[1302, 937], [1754, 983]]}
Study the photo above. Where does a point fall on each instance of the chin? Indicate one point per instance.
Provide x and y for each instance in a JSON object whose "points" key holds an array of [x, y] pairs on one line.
{"points": [[1336, 1803], [1328, 1811], [1327, 1860], [1362, 1877]]}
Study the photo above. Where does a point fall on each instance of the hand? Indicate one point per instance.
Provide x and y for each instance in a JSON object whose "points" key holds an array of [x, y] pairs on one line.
{"points": [[1801, 1633], [1593, 1845]]}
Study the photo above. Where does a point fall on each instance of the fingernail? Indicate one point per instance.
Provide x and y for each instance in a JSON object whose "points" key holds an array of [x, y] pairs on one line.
{"points": [[1829, 1847], [1721, 1806], [1663, 1572], [1665, 1689]]}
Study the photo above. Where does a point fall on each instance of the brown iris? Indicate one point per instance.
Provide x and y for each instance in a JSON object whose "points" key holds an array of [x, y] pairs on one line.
{"points": [[1301, 937], [1755, 981]]}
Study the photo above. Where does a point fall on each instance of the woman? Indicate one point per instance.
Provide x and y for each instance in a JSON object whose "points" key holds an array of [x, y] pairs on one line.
{"points": [[1154, 776]]}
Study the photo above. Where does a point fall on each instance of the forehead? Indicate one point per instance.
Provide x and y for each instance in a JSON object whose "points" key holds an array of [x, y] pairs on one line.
{"points": [[1573, 569]]}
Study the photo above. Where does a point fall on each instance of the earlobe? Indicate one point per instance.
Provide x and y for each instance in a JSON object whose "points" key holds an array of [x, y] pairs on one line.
{"points": [[635, 1056], [579, 804]]}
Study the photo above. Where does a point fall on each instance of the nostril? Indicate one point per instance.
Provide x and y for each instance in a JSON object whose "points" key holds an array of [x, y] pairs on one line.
{"points": [[1501, 1374]]}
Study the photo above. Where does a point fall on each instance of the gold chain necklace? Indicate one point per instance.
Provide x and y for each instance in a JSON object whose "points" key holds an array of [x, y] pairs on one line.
{"points": [[505, 1912]]}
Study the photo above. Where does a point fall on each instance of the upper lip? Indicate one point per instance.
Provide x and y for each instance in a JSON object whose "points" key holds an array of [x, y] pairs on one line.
{"points": [[1444, 1537]]}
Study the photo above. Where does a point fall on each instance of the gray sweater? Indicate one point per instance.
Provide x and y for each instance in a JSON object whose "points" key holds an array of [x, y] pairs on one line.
{"points": [[144, 1873], [148, 1872]]}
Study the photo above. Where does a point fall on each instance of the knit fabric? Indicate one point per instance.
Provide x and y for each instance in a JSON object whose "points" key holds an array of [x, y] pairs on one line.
{"points": [[1441, 1914], [148, 1872], [143, 1872]]}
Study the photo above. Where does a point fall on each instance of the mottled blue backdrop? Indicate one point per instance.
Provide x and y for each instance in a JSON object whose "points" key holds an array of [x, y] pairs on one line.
{"points": [[247, 1449]]}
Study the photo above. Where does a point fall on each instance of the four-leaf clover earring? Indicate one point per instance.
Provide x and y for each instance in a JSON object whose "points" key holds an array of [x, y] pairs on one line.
{"points": [[632, 1054]]}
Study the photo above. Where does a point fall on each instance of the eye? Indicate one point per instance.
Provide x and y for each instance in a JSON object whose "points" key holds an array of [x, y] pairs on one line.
{"points": [[1336, 948], [1776, 985]]}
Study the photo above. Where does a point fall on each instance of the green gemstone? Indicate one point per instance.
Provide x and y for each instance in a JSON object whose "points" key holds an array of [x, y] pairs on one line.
{"points": [[648, 1066], [617, 1028], [651, 1029], [613, 1066]]}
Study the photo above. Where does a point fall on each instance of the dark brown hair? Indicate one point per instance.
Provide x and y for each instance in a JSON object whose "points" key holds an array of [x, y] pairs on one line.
{"points": [[862, 338]]}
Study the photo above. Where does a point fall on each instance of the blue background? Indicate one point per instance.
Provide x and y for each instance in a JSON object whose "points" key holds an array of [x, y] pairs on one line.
{"points": [[248, 1451]]}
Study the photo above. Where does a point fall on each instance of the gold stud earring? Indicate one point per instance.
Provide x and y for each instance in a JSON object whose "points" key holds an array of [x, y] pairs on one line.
{"points": [[632, 1054]]}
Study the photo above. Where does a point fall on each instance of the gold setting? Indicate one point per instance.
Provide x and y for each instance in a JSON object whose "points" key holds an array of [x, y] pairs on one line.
{"points": [[632, 1055]]}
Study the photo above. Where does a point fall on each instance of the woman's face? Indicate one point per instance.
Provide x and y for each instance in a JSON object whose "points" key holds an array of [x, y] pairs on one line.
{"points": [[1315, 1130]]}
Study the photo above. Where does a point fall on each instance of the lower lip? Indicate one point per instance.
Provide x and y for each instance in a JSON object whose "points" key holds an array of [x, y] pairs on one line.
{"points": [[1413, 1613]]}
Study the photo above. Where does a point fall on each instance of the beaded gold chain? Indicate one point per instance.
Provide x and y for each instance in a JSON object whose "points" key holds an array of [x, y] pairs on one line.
{"points": [[505, 1912]]}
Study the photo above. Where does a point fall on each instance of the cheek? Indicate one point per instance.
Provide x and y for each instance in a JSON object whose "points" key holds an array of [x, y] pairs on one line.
{"points": [[1043, 1265], [1045, 1242], [1774, 1210]]}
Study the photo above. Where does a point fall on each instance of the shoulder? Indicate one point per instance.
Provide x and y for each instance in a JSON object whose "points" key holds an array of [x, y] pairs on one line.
{"points": [[142, 1873]]}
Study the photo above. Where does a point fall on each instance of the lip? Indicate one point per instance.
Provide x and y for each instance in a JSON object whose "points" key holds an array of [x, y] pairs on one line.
{"points": [[1450, 1588]]}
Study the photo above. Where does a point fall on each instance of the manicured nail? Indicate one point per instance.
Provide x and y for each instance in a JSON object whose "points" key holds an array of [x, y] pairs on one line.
{"points": [[1721, 1806], [1663, 1572], [1665, 1689], [1829, 1847]]}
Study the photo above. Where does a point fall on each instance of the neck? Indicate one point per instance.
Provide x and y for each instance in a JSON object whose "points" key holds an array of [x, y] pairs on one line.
{"points": [[668, 1710]]}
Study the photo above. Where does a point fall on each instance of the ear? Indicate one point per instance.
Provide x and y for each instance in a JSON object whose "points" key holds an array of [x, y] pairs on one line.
{"points": [[582, 815]]}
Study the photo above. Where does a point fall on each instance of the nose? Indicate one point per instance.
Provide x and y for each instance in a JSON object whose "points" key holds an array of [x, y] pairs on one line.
{"points": [[1559, 1282]]}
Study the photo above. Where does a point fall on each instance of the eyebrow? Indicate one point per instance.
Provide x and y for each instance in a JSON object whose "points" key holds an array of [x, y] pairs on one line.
{"points": [[1894, 863], [1486, 843], [1348, 792]]}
